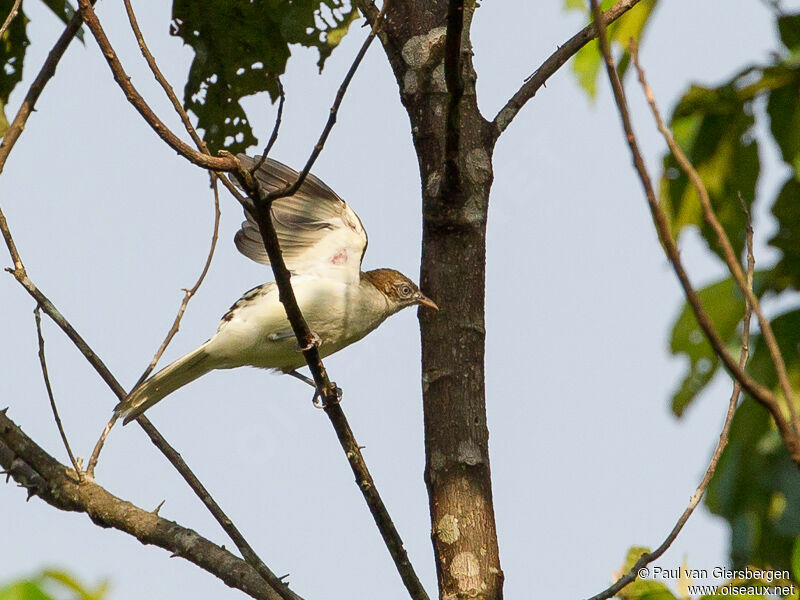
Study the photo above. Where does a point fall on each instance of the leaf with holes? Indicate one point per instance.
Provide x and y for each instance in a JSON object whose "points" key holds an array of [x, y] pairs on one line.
{"points": [[241, 48]]}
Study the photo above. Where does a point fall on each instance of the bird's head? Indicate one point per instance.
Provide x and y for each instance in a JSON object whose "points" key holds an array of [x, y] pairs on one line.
{"points": [[398, 289]]}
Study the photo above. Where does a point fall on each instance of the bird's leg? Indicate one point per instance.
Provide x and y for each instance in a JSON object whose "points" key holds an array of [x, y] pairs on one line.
{"points": [[316, 400]]}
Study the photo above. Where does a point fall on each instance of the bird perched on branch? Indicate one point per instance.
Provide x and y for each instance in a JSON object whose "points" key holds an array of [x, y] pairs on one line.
{"points": [[322, 242]]}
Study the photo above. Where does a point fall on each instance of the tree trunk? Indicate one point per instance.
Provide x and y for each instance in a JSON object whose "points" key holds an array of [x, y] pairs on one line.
{"points": [[454, 146]]}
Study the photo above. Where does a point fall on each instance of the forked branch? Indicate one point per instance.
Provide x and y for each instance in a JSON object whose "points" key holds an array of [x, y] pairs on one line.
{"points": [[554, 62]]}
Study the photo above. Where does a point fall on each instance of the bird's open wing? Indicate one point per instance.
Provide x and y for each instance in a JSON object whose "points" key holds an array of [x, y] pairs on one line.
{"points": [[317, 231]]}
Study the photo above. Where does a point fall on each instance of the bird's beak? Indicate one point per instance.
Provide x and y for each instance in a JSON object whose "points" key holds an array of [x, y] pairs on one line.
{"points": [[423, 300]]}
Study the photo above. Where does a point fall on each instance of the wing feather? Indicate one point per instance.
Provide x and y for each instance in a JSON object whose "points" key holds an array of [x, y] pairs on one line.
{"points": [[317, 231]]}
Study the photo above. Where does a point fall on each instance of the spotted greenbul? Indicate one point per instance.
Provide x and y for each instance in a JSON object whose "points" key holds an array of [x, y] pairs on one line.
{"points": [[323, 243]]}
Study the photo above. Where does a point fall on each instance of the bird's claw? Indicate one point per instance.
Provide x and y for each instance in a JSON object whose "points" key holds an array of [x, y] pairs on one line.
{"points": [[321, 402], [315, 341]]}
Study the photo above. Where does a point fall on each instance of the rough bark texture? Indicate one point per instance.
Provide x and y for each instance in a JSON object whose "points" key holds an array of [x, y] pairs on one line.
{"points": [[454, 146]]}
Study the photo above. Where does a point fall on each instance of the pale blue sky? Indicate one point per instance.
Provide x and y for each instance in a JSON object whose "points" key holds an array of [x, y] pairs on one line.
{"points": [[586, 458]]}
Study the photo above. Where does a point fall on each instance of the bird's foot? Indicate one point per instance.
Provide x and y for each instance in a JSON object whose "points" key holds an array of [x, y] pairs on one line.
{"points": [[320, 401], [315, 341]]}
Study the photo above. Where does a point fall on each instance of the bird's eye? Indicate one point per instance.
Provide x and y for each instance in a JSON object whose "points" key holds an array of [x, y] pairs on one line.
{"points": [[405, 291]]}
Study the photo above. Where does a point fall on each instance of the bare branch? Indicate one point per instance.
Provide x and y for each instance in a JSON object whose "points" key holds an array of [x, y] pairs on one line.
{"points": [[11, 16], [751, 386], [98, 447], [162, 81], [275, 129], [187, 294], [553, 64], [44, 476], [223, 163], [724, 243], [647, 558], [32, 96], [173, 98], [37, 316]]}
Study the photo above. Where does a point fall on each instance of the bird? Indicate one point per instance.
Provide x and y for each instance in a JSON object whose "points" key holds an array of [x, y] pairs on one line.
{"points": [[323, 242]]}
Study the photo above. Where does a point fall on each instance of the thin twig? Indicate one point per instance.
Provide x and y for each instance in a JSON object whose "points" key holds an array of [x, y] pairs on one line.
{"points": [[289, 190], [38, 318], [172, 96], [556, 60], [275, 128], [751, 386], [187, 294], [225, 163], [647, 558], [728, 252], [98, 447], [11, 16]]}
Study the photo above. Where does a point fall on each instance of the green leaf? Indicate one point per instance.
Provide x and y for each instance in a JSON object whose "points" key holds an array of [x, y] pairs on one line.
{"points": [[783, 108], [787, 239], [65, 580], [12, 55], [642, 589], [796, 560], [241, 48], [714, 127], [588, 60], [23, 590], [756, 487], [789, 30], [724, 303]]}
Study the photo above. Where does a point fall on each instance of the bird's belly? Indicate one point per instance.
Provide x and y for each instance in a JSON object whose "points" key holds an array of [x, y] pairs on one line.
{"points": [[258, 333]]}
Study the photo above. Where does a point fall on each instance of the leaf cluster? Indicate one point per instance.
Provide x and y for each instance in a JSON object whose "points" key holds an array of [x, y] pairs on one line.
{"points": [[756, 487], [241, 48]]}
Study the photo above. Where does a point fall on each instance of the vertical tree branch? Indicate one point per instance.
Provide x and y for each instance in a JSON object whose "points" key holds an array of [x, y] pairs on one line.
{"points": [[553, 63], [453, 75]]}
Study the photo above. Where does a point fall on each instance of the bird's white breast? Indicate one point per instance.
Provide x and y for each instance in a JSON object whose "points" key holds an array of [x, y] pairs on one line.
{"points": [[256, 332]]}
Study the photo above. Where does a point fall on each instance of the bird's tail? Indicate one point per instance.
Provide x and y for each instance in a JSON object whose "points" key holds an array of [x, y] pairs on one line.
{"points": [[167, 380]]}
